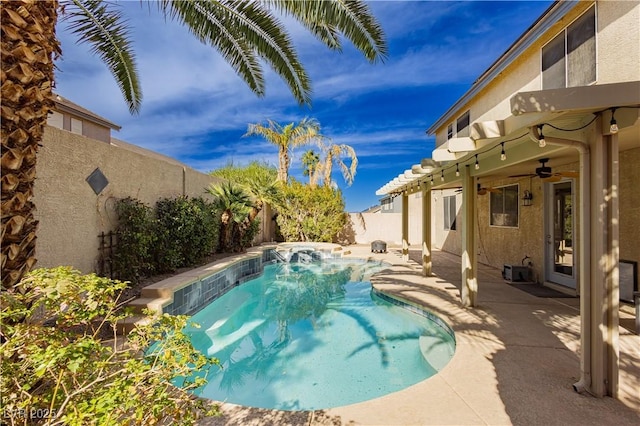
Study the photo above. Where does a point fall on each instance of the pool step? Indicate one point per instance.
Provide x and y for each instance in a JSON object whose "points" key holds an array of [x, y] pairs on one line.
{"points": [[125, 326], [152, 303]]}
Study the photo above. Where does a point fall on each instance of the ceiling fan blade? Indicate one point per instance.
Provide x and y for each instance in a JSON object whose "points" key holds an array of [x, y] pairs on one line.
{"points": [[523, 175], [552, 178], [494, 190], [569, 174]]}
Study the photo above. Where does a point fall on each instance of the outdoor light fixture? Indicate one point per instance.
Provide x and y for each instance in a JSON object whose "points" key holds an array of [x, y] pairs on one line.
{"points": [[614, 124], [541, 142], [442, 176], [477, 166], [503, 155], [457, 170], [527, 198]]}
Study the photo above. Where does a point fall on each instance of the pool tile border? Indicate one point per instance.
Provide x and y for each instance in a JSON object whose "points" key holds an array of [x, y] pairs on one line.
{"points": [[416, 310]]}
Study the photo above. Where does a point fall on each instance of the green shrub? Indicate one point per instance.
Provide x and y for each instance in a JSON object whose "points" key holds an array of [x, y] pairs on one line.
{"points": [[178, 232], [311, 213], [58, 366], [246, 239], [187, 232], [134, 255]]}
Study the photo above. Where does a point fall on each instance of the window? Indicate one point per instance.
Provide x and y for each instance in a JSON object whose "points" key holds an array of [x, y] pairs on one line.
{"points": [[449, 131], [504, 206], [449, 212], [462, 125], [569, 60], [55, 119], [76, 126]]}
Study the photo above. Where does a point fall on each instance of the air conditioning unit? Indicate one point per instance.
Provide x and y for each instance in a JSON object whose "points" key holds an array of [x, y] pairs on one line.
{"points": [[515, 273]]}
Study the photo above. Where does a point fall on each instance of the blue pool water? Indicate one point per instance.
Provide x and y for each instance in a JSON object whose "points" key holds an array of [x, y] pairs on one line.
{"points": [[314, 336]]}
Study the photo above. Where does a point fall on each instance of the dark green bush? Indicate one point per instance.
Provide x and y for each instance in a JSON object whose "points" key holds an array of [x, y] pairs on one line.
{"points": [[179, 232], [134, 255], [187, 232]]}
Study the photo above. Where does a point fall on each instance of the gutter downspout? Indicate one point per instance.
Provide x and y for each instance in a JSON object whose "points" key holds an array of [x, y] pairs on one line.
{"points": [[584, 384]]}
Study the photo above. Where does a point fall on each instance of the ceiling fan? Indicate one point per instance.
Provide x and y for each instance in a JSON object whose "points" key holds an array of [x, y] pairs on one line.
{"points": [[482, 190], [545, 173]]}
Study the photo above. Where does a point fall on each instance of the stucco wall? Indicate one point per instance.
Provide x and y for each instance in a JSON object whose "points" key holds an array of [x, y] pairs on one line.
{"points": [[444, 239], [617, 36], [630, 206], [71, 215]]}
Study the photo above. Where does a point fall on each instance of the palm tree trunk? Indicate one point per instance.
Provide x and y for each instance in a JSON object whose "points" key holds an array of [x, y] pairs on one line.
{"points": [[28, 44], [283, 170], [328, 168]]}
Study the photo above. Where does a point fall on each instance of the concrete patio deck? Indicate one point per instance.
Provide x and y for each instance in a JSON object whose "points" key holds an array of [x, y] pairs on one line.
{"points": [[516, 359]]}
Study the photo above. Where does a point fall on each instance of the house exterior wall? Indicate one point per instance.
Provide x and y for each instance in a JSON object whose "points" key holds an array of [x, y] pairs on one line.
{"points": [[443, 239], [630, 206], [94, 131], [71, 215], [617, 36]]}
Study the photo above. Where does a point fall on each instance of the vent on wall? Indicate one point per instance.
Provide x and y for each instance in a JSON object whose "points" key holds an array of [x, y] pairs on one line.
{"points": [[97, 181]]}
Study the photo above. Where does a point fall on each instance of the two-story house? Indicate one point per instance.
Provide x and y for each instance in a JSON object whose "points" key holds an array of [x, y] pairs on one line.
{"points": [[537, 165]]}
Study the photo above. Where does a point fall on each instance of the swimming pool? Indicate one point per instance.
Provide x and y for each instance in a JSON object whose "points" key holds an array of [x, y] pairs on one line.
{"points": [[314, 335]]}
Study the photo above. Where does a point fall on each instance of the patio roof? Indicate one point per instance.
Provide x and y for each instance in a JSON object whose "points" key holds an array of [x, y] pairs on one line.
{"points": [[559, 111]]}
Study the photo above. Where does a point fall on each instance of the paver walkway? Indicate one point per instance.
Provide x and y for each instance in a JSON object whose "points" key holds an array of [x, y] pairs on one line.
{"points": [[516, 359]]}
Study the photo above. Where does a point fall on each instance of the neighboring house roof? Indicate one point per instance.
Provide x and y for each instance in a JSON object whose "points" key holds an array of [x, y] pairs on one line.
{"points": [[373, 209], [65, 105]]}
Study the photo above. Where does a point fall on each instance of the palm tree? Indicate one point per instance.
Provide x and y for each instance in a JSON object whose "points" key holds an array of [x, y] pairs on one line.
{"points": [[335, 152], [259, 180], [234, 204], [244, 32], [286, 138], [310, 161]]}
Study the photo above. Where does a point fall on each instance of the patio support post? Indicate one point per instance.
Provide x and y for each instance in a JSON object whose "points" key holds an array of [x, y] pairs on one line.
{"points": [[405, 226], [587, 325], [469, 255], [604, 264], [426, 231]]}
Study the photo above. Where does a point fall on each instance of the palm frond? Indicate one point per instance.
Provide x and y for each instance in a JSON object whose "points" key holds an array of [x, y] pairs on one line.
{"points": [[101, 25], [241, 31], [325, 19]]}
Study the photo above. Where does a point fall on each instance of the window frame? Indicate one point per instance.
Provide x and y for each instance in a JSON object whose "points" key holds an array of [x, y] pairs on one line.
{"points": [[465, 130], [504, 209], [565, 36], [449, 216]]}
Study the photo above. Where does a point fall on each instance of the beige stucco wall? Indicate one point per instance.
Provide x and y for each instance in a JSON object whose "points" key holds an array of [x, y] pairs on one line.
{"points": [[618, 36], [497, 246], [446, 240], [71, 215], [367, 227], [630, 206]]}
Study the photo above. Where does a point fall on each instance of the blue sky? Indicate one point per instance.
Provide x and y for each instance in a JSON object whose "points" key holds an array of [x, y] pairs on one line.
{"points": [[196, 109]]}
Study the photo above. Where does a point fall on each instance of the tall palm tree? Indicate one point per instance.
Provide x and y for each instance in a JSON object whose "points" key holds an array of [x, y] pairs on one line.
{"points": [[286, 138], [335, 153], [310, 162], [243, 32]]}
